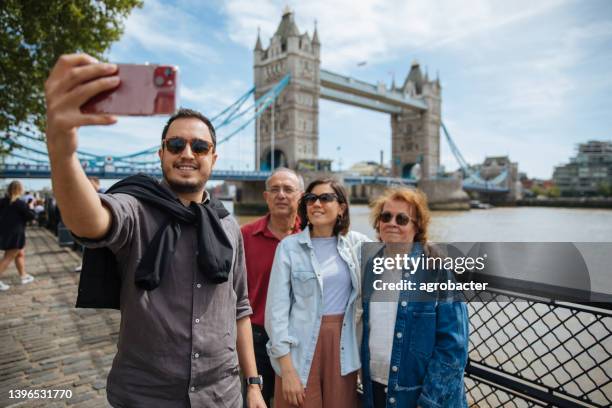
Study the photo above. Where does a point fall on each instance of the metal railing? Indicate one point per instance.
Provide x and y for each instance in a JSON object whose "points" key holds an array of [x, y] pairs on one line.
{"points": [[527, 351]]}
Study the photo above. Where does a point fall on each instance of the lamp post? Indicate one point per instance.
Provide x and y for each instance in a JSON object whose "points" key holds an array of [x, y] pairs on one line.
{"points": [[272, 141]]}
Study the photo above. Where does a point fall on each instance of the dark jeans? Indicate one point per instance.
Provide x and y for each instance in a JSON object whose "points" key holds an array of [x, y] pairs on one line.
{"points": [[379, 395], [264, 368]]}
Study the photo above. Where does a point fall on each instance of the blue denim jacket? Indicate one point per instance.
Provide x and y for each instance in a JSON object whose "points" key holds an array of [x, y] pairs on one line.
{"points": [[429, 352], [294, 306]]}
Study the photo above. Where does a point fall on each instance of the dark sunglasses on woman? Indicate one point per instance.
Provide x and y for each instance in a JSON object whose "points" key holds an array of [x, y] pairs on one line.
{"points": [[176, 145], [310, 198], [401, 219]]}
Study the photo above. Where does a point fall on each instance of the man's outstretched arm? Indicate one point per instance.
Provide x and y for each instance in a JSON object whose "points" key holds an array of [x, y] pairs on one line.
{"points": [[73, 81]]}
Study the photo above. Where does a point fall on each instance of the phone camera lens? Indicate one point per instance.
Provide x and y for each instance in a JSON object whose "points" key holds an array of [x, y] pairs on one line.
{"points": [[168, 72], [159, 80]]}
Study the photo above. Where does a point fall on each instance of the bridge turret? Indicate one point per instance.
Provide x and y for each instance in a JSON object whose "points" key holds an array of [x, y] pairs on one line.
{"points": [[415, 76], [316, 44], [287, 26], [258, 46], [416, 135], [296, 110], [258, 51]]}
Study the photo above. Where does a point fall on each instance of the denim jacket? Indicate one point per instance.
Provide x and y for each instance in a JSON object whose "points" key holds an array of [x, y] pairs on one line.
{"points": [[430, 348], [294, 306]]}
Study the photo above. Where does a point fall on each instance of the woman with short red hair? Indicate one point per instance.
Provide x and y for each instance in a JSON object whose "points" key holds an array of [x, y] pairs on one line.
{"points": [[414, 350]]}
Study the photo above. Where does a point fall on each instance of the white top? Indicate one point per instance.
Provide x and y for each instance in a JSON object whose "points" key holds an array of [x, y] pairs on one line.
{"points": [[336, 275], [382, 325]]}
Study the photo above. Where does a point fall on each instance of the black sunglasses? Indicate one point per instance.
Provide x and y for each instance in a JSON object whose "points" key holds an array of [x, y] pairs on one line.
{"points": [[310, 198], [176, 145], [401, 219]]}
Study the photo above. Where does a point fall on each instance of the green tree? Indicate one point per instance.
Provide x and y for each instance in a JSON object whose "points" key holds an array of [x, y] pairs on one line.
{"points": [[33, 34], [537, 190], [553, 192], [604, 189]]}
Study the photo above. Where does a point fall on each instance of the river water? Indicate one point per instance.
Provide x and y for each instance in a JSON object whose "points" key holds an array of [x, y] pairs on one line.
{"points": [[505, 224], [516, 224]]}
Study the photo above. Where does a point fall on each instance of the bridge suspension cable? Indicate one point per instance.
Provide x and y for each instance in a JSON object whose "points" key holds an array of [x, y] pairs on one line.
{"points": [[261, 104], [456, 152], [36, 139], [239, 101], [473, 180], [227, 116]]}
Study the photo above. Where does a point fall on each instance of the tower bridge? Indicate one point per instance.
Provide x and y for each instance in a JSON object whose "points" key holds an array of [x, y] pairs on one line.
{"points": [[288, 133]]}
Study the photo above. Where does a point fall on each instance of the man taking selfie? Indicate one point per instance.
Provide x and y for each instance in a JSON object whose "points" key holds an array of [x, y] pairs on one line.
{"points": [[173, 253]]}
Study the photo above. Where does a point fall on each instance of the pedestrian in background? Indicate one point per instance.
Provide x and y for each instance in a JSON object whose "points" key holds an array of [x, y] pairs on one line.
{"points": [[14, 214]]}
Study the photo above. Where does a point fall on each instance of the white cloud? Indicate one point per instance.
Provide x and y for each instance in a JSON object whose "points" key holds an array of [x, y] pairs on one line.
{"points": [[211, 98], [353, 31], [541, 84], [164, 30]]}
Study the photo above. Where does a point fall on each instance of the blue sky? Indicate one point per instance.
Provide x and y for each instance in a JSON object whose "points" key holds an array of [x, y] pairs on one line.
{"points": [[522, 78]]}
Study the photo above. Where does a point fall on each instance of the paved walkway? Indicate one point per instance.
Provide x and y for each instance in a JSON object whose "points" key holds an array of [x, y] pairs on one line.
{"points": [[47, 344]]}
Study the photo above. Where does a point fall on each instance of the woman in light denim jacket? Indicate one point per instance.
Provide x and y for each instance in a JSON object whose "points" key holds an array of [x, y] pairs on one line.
{"points": [[311, 306], [414, 350]]}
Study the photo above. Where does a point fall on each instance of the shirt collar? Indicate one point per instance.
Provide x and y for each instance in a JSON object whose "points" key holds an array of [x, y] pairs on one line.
{"points": [[304, 237], [262, 226]]}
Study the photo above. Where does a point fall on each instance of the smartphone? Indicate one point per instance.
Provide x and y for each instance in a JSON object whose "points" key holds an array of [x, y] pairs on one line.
{"points": [[144, 90]]}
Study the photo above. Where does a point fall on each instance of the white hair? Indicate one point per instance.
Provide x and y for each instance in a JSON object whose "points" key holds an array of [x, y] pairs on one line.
{"points": [[286, 170]]}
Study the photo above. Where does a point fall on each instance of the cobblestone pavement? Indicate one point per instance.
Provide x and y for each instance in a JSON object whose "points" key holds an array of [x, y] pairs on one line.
{"points": [[47, 344]]}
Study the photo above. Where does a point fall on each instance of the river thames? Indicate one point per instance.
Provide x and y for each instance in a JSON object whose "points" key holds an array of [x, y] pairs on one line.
{"points": [[515, 224], [504, 224]]}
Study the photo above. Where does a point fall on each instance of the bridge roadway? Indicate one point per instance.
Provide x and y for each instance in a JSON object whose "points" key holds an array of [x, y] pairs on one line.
{"points": [[47, 344], [44, 171], [351, 91], [35, 171]]}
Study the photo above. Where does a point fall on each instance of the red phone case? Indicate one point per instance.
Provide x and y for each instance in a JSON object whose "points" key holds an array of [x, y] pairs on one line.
{"points": [[144, 90]]}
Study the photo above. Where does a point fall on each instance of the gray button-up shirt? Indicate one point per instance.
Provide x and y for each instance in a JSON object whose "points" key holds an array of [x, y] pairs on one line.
{"points": [[177, 343]]}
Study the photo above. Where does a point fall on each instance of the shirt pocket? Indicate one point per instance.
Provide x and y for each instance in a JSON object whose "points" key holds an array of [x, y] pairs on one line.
{"points": [[303, 283], [423, 333]]}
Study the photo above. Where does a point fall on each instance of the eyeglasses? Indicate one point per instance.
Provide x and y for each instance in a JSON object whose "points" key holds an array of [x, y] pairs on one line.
{"points": [[199, 147], [310, 198], [286, 189], [401, 219]]}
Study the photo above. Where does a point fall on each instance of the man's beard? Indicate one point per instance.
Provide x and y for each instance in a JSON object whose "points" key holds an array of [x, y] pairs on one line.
{"points": [[184, 187]]}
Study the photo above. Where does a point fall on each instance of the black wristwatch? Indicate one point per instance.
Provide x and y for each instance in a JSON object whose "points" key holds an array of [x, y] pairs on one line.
{"points": [[255, 380]]}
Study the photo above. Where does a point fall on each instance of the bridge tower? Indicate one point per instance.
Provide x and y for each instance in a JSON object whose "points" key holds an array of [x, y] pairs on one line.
{"points": [[415, 144], [295, 114]]}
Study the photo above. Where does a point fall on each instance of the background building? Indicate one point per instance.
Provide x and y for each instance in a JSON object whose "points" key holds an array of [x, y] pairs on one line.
{"points": [[588, 173], [369, 168]]}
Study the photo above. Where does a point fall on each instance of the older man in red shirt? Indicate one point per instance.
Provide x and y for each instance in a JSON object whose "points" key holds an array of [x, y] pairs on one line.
{"points": [[261, 237]]}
